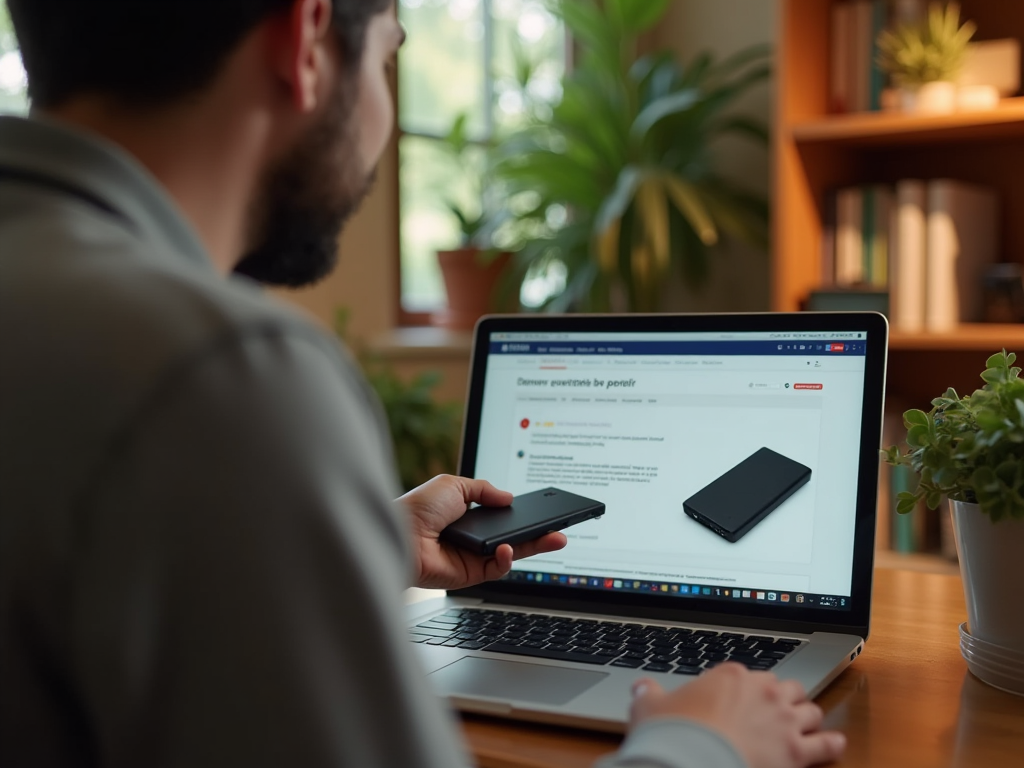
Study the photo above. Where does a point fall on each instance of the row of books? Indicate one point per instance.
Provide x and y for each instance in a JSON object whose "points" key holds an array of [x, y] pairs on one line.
{"points": [[928, 243], [857, 83], [922, 530]]}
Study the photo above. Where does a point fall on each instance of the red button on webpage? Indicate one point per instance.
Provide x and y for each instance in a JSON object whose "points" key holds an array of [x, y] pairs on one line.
{"points": [[807, 386], [835, 347]]}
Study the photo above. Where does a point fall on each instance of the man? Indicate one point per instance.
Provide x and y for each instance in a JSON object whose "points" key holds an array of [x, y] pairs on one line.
{"points": [[199, 561]]}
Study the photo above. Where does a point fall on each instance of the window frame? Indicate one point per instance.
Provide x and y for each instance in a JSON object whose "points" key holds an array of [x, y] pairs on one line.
{"points": [[411, 318]]}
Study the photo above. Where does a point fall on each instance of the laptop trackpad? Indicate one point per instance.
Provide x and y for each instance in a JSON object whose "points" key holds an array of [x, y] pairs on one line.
{"points": [[513, 680]]}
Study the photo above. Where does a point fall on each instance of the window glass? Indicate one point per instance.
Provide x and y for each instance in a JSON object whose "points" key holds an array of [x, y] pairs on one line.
{"points": [[495, 62], [13, 83]]}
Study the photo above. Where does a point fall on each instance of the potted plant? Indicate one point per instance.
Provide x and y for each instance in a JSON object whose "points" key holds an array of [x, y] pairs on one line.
{"points": [[971, 449], [923, 59], [470, 271], [618, 178]]}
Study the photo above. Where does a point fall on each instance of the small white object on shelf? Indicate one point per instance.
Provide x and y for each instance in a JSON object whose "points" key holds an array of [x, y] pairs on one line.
{"points": [[935, 98], [976, 97]]}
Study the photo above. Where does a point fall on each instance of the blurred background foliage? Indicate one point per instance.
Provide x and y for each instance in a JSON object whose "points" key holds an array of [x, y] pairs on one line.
{"points": [[13, 84], [424, 432], [627, 160]]}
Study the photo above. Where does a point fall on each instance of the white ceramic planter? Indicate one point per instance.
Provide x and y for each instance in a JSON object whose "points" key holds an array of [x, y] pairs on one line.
{"points": [[991, 562], [938, 98]]}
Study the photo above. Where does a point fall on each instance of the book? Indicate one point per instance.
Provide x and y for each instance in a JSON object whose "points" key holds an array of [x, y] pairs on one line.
{"points": [[849, 268], [828, 240], [907, 268], [962, 240], [878, 213], [841, 36], [862, 46], [876, 77]]}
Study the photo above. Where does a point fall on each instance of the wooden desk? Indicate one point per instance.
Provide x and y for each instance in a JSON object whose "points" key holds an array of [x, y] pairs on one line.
{"points": [[907, 702]]}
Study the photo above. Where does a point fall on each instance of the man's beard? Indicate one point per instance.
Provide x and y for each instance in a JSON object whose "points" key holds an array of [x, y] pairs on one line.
{"points": [[306, 198]]}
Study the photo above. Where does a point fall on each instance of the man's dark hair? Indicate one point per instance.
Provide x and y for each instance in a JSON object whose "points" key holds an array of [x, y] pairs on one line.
{"points": [[150, 52]]}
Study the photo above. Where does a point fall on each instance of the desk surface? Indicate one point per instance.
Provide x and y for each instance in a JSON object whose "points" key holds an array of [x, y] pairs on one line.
{"points": [[908, 701]]}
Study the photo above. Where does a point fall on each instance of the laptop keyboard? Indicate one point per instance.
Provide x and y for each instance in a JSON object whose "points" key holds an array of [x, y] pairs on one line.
{"points": [[589, 641]]}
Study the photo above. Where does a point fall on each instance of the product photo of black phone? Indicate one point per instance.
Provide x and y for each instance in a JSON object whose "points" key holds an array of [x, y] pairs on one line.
{"points": [[734, 503]]}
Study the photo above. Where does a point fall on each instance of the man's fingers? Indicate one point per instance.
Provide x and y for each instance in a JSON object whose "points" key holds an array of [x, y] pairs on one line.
{"points": [[482, 492], [503, 557], [824, 747], [549, 542], [645, 687], [791, 692], [808, 717]]}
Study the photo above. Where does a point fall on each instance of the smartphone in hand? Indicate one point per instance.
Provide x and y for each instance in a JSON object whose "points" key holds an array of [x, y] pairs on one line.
{"points": [[528, 517]]}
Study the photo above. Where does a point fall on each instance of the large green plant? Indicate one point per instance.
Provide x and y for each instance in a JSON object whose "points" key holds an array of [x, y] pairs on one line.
{"points": [[970, 448], [625, 159]]}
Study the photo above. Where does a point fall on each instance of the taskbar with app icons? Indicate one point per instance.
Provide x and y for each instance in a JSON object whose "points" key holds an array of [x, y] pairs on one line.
{"points": [[674, 589]]}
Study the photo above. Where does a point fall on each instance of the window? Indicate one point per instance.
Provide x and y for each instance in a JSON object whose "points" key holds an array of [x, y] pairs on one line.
{"points": [[462, 58], [13, 83]]}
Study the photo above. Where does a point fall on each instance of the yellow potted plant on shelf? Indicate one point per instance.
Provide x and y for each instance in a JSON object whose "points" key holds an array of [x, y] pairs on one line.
{"points": [[971, 450], [924, 59]]}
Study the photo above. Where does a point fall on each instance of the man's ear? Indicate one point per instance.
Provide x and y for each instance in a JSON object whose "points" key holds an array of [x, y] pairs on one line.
{"points": [[302, 51]]}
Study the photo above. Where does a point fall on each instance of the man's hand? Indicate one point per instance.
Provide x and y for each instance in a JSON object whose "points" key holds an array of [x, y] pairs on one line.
{"points": [[439, 565], [770, 722]]}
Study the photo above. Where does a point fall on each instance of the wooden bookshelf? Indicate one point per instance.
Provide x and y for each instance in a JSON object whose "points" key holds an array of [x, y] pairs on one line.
{"points": [[815, 151]]}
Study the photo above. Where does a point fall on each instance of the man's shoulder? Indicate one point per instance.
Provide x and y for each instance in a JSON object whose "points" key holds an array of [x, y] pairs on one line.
{"points": [[99, 324], [82, 282]]}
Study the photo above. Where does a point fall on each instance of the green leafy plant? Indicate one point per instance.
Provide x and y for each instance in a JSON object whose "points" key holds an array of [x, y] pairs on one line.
{"points": [[619, 177], [934, 50], [969, 449], [477, 223], [424, 432]]}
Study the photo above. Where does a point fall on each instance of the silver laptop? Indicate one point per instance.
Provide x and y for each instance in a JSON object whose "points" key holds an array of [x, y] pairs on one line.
{"points": [[708, 551]]}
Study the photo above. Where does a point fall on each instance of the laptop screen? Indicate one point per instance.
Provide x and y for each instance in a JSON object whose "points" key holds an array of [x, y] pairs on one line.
{"points": [[728, 460]]}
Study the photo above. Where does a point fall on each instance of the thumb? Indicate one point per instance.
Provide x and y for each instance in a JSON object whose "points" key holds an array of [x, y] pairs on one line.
{"points": [[645, 687], [482, 492]]}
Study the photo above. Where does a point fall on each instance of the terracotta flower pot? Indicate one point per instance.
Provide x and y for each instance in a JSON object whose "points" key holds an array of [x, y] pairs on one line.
{"points": [[470, 279]]}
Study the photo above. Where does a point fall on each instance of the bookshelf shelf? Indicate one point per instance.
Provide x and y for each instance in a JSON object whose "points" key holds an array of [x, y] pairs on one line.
{"points": [[892, 129], [977, 336]]}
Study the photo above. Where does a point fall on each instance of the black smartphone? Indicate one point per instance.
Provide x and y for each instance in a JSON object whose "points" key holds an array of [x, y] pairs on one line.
{"points": [[745, 495], [528, 517]]}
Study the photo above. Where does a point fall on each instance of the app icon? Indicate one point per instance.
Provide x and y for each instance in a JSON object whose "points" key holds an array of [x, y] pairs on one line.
{"points": [[636, 585], [784, 597], [664, 587], [799, 598], [760, 595], [771, 595], [736, 593], [727, 593], [684, 588], [608, 583], [746, 593], [706, 590], [617, 584], [675, 587]]}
